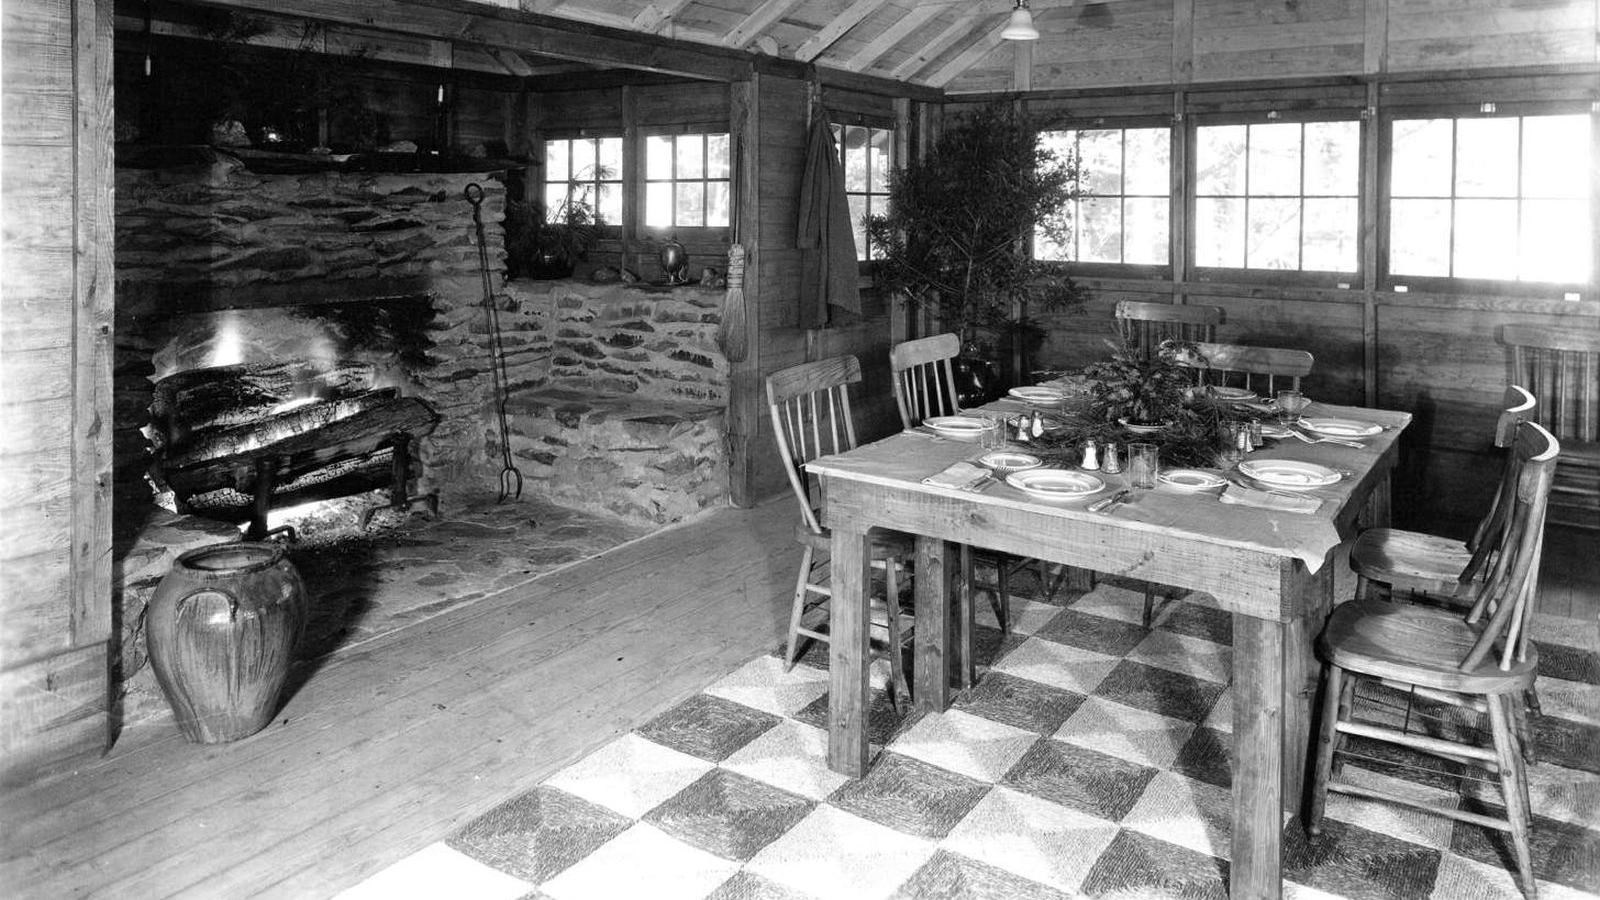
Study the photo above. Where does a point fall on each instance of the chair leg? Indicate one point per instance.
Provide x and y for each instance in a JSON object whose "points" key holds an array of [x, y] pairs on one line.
{"points": [[1521, 707], [1513, 784], [1327, 737], [1002, 596], [1048, 584], [964, 620], [1149, 605], [891, 609], [798, 608]]}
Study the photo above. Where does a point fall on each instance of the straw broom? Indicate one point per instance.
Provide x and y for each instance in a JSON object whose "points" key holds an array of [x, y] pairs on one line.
{"points": [[731, 335]]}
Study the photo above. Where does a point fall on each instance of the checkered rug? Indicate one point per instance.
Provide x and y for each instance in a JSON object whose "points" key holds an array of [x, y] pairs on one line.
{"points": [[1090, 760]]}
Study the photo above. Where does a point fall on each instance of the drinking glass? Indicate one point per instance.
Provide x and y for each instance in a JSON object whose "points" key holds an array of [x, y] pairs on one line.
{"points": [[993, 436], [1143, 464], [1290, 405]]}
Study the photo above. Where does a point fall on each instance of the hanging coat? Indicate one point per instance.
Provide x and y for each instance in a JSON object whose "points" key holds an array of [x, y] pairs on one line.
{"points": [[828, 269]]}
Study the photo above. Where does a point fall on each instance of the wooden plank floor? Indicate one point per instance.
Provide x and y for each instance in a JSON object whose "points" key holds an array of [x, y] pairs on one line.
{"points": [[397, 742]]}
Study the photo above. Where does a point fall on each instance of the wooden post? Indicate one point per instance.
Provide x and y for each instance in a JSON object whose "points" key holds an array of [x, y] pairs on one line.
{"points": [[745, 407]]}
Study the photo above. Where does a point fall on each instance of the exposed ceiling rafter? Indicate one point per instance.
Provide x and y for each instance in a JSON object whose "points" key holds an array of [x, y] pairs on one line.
{"points": [[657, 16], [962, 28], [818, 43], [966, 59], [760, 19], [880, 46]]}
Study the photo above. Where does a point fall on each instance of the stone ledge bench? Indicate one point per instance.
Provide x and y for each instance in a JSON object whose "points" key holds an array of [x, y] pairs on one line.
{"points": [[620, 405]]}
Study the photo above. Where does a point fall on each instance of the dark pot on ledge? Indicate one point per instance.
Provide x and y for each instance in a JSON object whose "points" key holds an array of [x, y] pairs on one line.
{"points": [[221, 628]]}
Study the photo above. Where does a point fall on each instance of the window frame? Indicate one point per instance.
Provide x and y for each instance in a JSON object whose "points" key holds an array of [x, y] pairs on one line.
{"points": [[609, 229], [1175, 148], [1322, 278], [642, 227], [1450, 284]]}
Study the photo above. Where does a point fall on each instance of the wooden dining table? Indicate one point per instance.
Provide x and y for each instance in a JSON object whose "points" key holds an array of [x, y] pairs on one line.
{"points": [[1271, 569]]}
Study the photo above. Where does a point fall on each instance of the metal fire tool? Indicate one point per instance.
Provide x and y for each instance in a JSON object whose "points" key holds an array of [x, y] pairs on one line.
{"points": [[510, 476]]}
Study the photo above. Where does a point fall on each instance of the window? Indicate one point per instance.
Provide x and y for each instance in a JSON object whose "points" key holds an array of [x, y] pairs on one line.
{"points": [[1123, 211], [686, 180], [1280, 196], [868, 156], [1502, 198], [584, 171]]}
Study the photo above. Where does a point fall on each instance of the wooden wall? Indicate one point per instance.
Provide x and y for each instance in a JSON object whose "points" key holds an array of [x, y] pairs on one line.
{"points": [[1134, 42], [55, 383]]}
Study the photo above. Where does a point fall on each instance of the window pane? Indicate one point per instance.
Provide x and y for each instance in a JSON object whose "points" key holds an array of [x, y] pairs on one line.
{"points": [[583, 160], [610, 206], [658, 205], [879, 161], [1556, 243], [611, 158], [1274, 234], [1486, 157], [658, 157], [1219, 232], [1486, 233], [691, 157], [717, 158], [554, 196], [1419, 237], [1275, 160], [1420, 161], [1144, 225], [1330, 242], [1101, 161], [717, 203], [1333, 158], [1555, 156], [1148, 161], [1219, 157], [555, 161], [858, 209], [1100, 230], [855, 167], [689, 203], [1056, 245]]}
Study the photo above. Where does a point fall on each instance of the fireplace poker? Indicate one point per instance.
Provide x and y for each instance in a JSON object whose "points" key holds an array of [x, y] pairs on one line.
{"points": [[510, 477]]}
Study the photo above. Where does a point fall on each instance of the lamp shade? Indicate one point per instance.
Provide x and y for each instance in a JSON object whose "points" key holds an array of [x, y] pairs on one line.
{"points": [[1020, 26]]}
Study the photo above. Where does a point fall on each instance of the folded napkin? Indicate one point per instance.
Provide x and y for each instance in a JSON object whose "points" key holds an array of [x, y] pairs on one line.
{"points": [[1245, 496], [961, 476]]}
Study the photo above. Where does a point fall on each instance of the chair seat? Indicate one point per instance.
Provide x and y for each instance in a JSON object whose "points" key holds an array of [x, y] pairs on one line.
{"points": [[1418, 645], [1410, 560]]}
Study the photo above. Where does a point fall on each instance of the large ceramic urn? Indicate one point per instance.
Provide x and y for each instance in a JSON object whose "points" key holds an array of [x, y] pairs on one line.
{"points": [[221, 628]]}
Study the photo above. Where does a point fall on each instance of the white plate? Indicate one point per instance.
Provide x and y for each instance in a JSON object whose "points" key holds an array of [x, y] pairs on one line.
{"points": [[959, 427], [1055, 484], [1289, 474], [1038, 394], [1140, 429], [1232, 394], [1004, 461], [1341, 427], [1192, 480]]}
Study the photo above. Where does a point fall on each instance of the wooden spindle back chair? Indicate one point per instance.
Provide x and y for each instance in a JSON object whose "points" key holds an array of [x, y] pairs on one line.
{"points": [[1562, 366], [1144, 325], [1482, 661], [809, 406], [1264, 370], [1414, 562], [924, 378]]}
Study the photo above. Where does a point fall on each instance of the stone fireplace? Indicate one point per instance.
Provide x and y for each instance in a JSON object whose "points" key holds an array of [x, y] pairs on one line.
{"points": [[615, 394]]}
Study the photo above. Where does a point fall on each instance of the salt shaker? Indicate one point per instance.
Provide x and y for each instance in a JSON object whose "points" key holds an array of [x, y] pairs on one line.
{"points": [[1036, 427], [1091, 456], [1023, 435], [1256, 440], [1112, 464]]}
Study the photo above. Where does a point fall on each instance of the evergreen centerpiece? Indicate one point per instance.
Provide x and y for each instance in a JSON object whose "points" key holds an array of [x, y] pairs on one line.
{"points": [[1140, 390], [955, 238]]}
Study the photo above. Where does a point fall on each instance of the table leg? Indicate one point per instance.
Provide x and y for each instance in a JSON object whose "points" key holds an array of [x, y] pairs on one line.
{"points": [[933, 647], [1258, 751], [848, 652], [1314, 594]]}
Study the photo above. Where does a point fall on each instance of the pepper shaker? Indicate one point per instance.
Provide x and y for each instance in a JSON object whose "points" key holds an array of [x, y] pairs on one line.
{"points": [[1112, 464], [1256, 440], [1091, 458]]}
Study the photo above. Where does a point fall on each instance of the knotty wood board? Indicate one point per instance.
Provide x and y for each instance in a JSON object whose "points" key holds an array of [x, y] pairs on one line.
{"points": [[394, 744]]}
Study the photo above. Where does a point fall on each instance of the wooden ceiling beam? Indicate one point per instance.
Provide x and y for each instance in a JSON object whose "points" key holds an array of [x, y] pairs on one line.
{"points": [[760, 19], [818, 43], [513, 62], [966, 59], [879, 46], [961, 29], [488, 26], [657, 16]]}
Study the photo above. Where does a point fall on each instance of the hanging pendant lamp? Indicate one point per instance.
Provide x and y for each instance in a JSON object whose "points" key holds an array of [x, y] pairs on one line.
{"points": [[1020, 26]]}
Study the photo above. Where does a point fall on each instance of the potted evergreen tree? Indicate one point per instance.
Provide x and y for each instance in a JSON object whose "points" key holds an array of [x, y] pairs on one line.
{"points": [[955, 238]]}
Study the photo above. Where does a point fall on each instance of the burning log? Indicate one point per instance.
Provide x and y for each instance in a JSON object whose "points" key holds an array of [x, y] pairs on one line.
{"points": [[340, 479], [222, 396], [297, 442]]}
